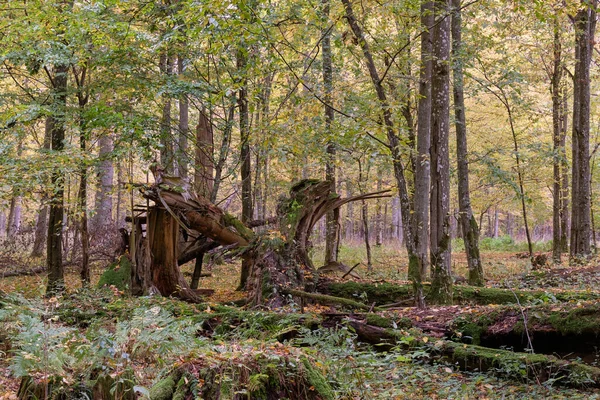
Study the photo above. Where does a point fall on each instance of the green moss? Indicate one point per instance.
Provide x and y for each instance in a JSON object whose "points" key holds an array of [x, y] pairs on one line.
{"points": [[117, 274], [163, 389], [522, 365], [386, 293], [575, 321], [316, 379]]}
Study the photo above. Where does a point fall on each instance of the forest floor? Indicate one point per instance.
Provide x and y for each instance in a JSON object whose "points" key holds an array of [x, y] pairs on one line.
{"points": [[87, 329]]}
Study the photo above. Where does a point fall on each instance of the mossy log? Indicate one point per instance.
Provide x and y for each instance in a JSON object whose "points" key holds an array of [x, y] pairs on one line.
{"points": [[386, 293], [552, 329], [268, 375], [512, 365], [326, 299], [103, 387], [502, 363]]}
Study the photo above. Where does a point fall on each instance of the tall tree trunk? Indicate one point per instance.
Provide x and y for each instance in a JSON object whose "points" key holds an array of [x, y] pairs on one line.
{"points": [[556, 91], [104, 199], [441, 282], [585, 26], [564, 217], [83, 97], [184, 126], [394, 147], [223, 152], [167, 157], [332, 218], [245, 156], [468, 223], [54, 264], [422, 173], [362, 178], [41, 224], [203, 177]]}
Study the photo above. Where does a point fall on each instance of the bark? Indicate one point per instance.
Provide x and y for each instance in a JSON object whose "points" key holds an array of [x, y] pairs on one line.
{"points": [[223, 152], [41, 225], [163, 233], [184, 126], [362, 177], [585, 25], [14, 217], [82, 197], [422, 172], [394, 147], [204, 164], [57, 120], [349, 213], [332, 218], [558, 141], [167, 157], [564, 218], [468, 223], [441, 287], [103, 203], [203, 177], [246, 168], [379, 214]]}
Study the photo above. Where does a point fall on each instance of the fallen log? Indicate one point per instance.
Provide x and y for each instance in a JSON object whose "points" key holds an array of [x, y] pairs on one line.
{"points": [[389, 293], [23, 272], [323, 298], [550, 329]]}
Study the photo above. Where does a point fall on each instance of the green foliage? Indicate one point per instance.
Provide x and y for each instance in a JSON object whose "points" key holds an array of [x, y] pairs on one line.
{"points": [[118, 274]]}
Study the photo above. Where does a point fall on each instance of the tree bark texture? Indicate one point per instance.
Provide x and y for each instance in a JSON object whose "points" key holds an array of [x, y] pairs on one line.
{"points": [[332, 218], [467, 220], [558, 140], [441, 287], [585, 26], [184, 126], [422, 167], [54, 249], [104, 199], [167, 156]]}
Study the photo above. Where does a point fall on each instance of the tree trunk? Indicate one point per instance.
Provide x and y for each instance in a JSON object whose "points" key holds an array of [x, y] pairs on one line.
{"points": [[564, 218], [82, 196], [246, 168], [41, 229], [163, 234], [585, 25], [378, 214], [14, 217], [54, 264], [422, 173], [184, 126], [468, 223], [556, 90], [203, 177], [103, 202], [167, 157], [349, 213], [394, 147], [441, 286], [332, 218], [362, 178]]}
